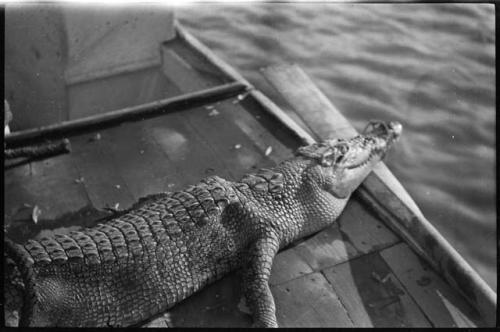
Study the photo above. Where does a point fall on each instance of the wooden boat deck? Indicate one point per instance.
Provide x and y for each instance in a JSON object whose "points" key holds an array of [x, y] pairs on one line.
{"points": [[356, 273]]}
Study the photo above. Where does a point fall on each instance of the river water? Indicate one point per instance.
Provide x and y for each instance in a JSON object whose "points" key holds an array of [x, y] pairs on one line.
{"points": [[429, 66]]}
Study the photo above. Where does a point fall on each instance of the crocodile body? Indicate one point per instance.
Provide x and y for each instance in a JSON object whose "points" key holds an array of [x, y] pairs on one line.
{"points": [[162, 250]]}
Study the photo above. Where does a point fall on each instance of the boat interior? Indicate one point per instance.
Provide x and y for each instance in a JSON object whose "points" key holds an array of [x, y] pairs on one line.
{"points": [[357, 273]]}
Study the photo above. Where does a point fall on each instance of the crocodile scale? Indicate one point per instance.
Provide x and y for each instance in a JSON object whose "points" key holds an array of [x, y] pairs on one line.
{"points": [[170, 245]]}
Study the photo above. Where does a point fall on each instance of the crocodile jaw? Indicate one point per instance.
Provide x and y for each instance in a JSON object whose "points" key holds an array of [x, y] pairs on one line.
{"points": [[365, 151], [344, 164]]}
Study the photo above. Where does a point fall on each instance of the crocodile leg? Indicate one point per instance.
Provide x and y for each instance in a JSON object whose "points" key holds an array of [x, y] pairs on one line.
{"points": [[256, 275], [167, 246]]}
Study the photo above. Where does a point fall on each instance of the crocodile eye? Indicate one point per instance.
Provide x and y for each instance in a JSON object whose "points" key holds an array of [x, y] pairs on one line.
{"points": [[339, 159], [325, 159], [342, 148]]}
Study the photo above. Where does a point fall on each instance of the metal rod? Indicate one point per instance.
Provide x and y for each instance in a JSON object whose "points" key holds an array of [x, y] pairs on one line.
{"points": [[139, 112], [45, 150]]}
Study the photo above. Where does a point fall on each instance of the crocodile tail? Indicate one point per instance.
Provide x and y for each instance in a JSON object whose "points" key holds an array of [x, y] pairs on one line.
{"points": [[22, 269]]}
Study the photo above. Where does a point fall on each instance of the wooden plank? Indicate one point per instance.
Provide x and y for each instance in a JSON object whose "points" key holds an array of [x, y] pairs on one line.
{"points": [[217, 305], [49, 184], [105, 187], [426, 241], [288, 265], [372, 294], [24, 229], [191, 155], [161, 321], [228, 142], [139, 160], [365, 232], [382, 188], [265, 140], [184, 71], [440, 303], [309, 301], [117, 92], [280, 118], [198, 62], [355, 233], [221, 304], [308, 100], [327, 248]]}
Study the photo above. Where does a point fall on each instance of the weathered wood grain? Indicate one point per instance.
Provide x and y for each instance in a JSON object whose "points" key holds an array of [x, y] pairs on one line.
{"points": [[176, 65], [309, 301], [308, 101], [440, 303], [355, 233], [372, 294], [187, 151], [103, 185], [288, 265], [265, 140], [139, 160], [327, 248], [226, 140], [217, 305], [49, 184], [427, 242], [366, 232]]}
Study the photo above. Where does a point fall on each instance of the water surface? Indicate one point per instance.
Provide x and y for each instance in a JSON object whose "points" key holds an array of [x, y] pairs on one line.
{"points": [[429, 66]]}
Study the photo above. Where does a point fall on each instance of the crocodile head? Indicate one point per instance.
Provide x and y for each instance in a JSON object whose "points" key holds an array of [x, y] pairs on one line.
{"points": [[342, 164]]}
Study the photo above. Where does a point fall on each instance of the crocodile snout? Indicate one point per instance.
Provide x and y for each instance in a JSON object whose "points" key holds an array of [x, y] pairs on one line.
{"points": [[395, 129], [389, 130]]}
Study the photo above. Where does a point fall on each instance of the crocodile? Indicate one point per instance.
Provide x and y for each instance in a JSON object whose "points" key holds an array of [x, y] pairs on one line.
{"points": [[145, 260]]}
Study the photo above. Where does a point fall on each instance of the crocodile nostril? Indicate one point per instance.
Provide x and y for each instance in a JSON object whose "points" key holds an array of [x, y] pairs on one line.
{"points": [[396, 128]]}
